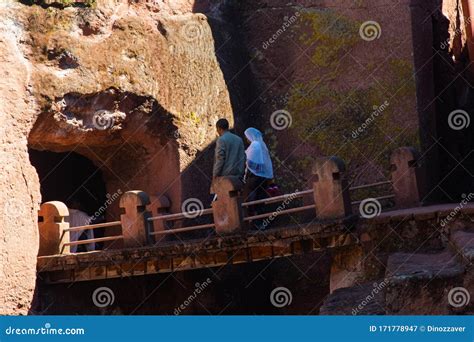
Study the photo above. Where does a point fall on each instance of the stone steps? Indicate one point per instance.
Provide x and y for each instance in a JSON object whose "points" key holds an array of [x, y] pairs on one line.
{"points": [[419, 284], [422, 283], [414, 284], [423, 267], [364, 299], [462, 244]]}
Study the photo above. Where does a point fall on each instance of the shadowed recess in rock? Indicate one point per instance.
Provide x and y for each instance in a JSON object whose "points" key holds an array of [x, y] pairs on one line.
{"points": [[68, 175]]}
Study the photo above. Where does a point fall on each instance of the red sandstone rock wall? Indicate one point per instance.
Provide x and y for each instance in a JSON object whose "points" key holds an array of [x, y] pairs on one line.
{"points": [[310, 60], [154, 62], [134, 87], [155, 74], [19, 195]]}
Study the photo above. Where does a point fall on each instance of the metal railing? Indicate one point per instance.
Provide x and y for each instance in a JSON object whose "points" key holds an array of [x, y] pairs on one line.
{"points": [[180, 216], [279, 212], [92, 227], [380, 198], [184, 229], [165, 218], [373, 185], [278, 198], [266, 201], [186, 215], [365, 186]]}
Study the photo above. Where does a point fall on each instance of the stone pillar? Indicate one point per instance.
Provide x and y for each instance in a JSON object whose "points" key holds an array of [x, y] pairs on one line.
{"points": [[227, 209], [159, 206], [331, 190], [134, 224], [407, 177], [346, 267], [51, 225]]}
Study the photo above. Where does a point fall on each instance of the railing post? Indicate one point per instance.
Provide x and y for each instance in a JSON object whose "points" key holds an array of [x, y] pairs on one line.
{"points": [[134, 218], [331, 190], [159, 206], [407, 177], [227, 209], [51, 225]]}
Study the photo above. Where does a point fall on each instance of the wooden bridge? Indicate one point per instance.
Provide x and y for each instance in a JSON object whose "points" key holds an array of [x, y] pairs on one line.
{"points": [[325, 212]]}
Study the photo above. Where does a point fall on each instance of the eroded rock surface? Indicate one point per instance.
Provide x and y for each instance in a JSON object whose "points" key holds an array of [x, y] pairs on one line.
{"points": [[20, 196], [135, 87]]}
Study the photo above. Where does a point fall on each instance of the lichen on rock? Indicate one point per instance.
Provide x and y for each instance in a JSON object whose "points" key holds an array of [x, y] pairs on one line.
{"points": [[351, 120]]}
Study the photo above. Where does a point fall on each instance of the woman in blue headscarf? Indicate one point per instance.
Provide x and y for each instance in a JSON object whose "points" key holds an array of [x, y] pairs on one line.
{"points": [[259, 169]]}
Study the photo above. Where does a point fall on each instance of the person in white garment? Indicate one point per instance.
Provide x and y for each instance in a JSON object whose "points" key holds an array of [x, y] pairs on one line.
{"points": [[258, 171], [78, 218]]}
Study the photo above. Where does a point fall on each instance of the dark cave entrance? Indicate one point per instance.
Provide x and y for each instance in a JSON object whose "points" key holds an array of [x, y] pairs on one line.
{"points": [[445, 100], [454, 103], [68, 175]]}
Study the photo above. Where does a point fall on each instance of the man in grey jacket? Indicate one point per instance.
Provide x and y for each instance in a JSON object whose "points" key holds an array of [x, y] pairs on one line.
{"points": [[229, 157]]}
